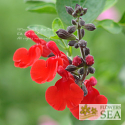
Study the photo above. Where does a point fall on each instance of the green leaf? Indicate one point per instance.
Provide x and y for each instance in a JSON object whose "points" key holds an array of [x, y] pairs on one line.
{"points": [[122, 20], [42, 30], [43, 8], [57, 24], [109, 3], [54, 37], [39, 1], [110, 26], [95, 7]]}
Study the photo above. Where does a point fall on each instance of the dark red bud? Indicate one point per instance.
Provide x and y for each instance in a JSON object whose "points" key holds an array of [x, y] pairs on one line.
{"points": [[76, 61], [89, 60]]}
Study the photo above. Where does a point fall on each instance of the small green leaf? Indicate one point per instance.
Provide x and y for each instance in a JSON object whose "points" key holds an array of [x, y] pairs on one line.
{"points": [[109, 3], [110, 26], [95, 7], [122, 20], [57, 24], [42, 30], [43, 8]]}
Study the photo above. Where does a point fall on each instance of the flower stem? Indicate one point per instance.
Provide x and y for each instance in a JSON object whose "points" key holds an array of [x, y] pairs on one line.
{"points": [[83, 56]]}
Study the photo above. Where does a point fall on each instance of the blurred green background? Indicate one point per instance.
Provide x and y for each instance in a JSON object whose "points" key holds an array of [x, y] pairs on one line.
{"points": [[22, 101]]}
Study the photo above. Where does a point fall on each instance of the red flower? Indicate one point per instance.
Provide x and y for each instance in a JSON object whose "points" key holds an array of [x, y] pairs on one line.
{"points": [[44, 71], [23, 58], [65, 92], [93, 97]]}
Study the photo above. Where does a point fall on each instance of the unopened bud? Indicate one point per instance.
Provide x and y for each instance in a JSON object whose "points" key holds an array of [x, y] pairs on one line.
{"points": [[91, 70], [70, 61], [82, 43], [82, 22], [77, 60], [73, 22], [82, 33], [71, 43], [77, 6], [89, 27], [89, 60], [87, 51], [71, 68], [69, 10], [81, 71], [76, 45], [84, 11], [84, 89], [63, 34], [74, 14], [71, 29]]}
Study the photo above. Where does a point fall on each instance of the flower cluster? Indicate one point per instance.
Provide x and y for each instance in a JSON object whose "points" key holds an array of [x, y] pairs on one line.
{"points": [[72, 89]]}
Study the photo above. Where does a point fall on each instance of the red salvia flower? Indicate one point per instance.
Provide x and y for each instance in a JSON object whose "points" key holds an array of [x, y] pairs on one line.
{"points": [[65, 92], [93, 97], [45, 71], [23, 58]]}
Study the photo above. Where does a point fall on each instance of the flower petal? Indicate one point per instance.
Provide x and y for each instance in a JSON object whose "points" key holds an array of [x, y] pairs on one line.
{"points": [[24, 58], [64, 93], [44, 71]]}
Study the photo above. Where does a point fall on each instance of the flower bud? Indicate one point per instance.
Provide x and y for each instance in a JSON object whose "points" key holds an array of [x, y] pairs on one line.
{"points": [[71, 68], [71, 43], [70, 61], [81, 22], [84, 11], [87, 51], [77, 60], [74, 14], [82, 33], [76, 45], [69, 10], [82, 43], [63, 34], [91, 70], [71, 29], [77, 6], [73, 22], [84, 89], [92, 81], [81, 71], [89, 60], [89, 27]]}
